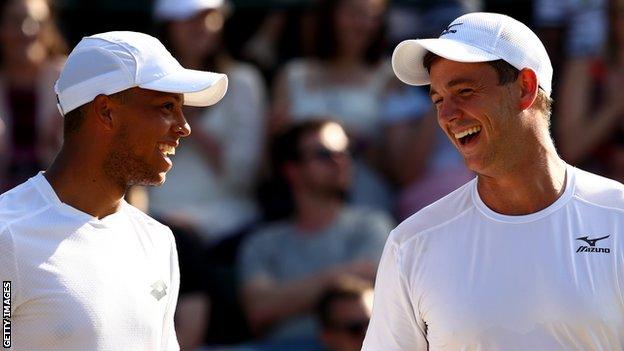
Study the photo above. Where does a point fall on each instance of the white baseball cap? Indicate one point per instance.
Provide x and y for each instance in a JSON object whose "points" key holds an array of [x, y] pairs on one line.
{"points": [[110, 62], [177, 10], [476, 37]]}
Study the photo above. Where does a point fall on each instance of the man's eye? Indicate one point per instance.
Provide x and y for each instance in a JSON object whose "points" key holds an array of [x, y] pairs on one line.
{"points": [[466, 91], [168, 106], [437, 101]]}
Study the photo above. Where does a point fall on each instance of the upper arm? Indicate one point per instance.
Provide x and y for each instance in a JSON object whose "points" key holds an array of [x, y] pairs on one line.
{"points": [[395, 323], [372, 236]]}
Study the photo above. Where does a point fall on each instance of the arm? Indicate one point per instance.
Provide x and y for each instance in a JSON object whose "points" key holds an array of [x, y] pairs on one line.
{"points": [[395, 323], [191, 321], [279, 114], [579, 128], [266, 302]]}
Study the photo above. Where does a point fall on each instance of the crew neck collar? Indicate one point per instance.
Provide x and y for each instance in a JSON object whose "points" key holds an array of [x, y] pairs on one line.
{"points": [[45, 189], [560, 202]]}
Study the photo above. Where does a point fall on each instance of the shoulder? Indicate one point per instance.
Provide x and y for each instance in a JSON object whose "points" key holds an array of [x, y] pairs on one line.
{"points": [[300, 68], [366, 216], [598, 190], [152, 226], [240, 73], [21, 202], [436, 215], [269, 235]]}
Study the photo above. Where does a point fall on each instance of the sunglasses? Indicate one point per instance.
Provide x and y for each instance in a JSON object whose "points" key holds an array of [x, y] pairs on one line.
{"points": [[322, 154], [355, 328]]}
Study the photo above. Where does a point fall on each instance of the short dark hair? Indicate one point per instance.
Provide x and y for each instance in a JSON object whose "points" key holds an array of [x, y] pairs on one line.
{"points": [[344, 290], [285, 147], [506, 74], [73, 120]]}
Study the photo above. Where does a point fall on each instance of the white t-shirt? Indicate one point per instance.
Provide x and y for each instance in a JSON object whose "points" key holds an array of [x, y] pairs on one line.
{"points": [[458, 276], [79, 283]]}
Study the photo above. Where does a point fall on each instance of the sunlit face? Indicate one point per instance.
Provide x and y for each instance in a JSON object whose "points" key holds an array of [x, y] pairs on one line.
{"points": [[357, 21], [198, 36], [350, 319], [477, 114], [325, 165], [149, 125], [21, 29]]}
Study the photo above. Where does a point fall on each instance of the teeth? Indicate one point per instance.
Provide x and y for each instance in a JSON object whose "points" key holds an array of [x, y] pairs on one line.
{"points": [[166, 149], [466, 132]]}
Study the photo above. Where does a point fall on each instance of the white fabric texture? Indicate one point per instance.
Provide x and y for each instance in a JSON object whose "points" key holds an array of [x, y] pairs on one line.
{"points": [[458, 276], [80, 283]]}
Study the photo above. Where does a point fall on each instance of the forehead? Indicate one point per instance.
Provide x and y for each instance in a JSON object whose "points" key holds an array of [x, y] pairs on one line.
{"points": [[146, 94], [446, 73], [331, 135]]}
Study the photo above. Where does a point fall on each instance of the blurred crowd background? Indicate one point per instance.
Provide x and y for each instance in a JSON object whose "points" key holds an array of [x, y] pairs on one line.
{"points": [[283, 196]]}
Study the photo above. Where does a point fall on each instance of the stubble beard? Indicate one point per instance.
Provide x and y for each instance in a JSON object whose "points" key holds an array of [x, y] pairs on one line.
{"points": [[127, 169]]}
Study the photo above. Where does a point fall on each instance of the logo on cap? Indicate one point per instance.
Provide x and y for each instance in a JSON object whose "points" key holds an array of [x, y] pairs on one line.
{"points": [[449, 30]]}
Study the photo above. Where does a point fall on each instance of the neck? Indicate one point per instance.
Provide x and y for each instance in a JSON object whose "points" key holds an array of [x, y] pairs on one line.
{"points": [[316, 213], [80, 182], [529, 187]]}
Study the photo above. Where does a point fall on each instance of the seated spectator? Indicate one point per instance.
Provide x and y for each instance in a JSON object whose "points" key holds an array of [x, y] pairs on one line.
{"points": [[343, 313], [345, 79], [31, 59], [215, 171], [287, 265]]}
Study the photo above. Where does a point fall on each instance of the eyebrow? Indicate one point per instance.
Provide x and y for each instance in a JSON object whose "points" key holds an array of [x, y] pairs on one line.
{"points": [[452, 83]]}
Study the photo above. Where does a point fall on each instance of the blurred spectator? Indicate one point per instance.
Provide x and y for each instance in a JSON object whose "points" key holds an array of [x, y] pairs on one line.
{"points": [[345, 81], [571, 28], [424, 165], [32, 56], [590, 111], [344, 313], [424, 18], [284, 32], [216, 169], [287, 265]]}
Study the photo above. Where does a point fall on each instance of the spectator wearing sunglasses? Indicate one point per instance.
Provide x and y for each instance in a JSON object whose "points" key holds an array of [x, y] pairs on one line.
{"points": [[287, 265], [343, 313]]}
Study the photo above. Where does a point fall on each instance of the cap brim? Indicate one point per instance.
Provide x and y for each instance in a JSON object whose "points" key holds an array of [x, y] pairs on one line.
{"points": [[407, 58], [199, 88]]}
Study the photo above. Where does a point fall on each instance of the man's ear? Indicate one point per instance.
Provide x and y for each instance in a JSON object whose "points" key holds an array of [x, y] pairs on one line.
{"points": [[102, 108], [528, 88]]}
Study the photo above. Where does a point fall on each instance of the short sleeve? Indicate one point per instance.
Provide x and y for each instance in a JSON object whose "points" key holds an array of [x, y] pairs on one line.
{"points": [[371, 236], [169, 338], [395, 324]]}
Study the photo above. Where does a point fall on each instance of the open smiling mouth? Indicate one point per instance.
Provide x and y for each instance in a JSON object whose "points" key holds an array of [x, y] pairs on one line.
{"points": [[468, 135]]}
